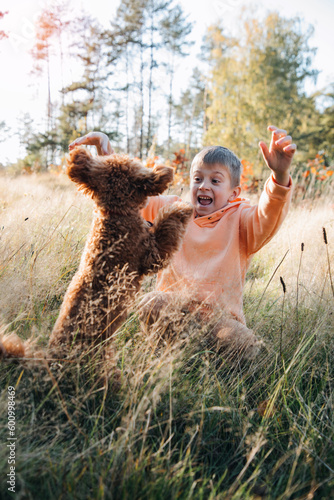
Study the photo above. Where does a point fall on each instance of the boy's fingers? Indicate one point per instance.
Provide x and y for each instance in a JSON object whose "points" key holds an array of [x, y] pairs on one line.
{"points": [[284, 140], [106, 147], [78, 142], [277, 131], [264, 148], [290, 147], [90, 139], [97, 139], [73, 145]]}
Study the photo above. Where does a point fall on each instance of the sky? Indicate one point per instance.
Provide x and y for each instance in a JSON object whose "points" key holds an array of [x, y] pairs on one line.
{"points": [[19, 92]]}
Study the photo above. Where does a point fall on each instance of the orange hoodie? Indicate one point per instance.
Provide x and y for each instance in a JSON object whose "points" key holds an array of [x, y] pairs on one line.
{"points": [[217, 249]]}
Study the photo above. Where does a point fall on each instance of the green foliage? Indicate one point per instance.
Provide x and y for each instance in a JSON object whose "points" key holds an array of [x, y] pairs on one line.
{"points": [[257, 80], [321, 132]]}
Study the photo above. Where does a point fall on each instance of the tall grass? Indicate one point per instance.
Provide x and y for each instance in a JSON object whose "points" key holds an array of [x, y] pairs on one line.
{"points": [[186, 423]]}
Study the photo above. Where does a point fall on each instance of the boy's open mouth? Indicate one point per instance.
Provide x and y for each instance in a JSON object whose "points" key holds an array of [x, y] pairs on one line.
{"points": [[204, 200]]}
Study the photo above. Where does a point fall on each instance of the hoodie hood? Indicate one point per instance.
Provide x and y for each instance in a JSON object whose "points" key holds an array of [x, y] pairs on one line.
{"points": [[211, 219]]}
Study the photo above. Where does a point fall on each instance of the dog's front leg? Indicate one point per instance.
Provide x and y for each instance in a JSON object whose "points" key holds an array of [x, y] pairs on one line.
{"points": [[167, 234]]}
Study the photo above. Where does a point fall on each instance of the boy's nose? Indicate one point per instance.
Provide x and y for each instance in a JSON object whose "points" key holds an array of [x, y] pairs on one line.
{"points": [[204, 185]]}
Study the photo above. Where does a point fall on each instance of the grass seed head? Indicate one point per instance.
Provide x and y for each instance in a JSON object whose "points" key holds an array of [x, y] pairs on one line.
{"points": [[283, 284], [324, 235]]}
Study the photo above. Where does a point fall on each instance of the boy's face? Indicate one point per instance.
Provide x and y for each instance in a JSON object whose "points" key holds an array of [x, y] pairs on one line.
{"points": [[210, 188]]}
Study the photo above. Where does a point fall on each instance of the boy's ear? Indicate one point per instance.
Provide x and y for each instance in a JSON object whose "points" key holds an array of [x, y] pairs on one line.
{"points": [[78, 167], [155, 181], [235, 194]]}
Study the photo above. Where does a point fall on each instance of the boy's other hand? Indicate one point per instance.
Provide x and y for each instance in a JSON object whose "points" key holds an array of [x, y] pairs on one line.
{"points": [[98, 139], [279, 155]]}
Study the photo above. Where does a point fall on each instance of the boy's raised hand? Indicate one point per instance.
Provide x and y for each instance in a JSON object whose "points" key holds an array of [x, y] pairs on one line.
{"points": [[279, 155], [98, 139]]}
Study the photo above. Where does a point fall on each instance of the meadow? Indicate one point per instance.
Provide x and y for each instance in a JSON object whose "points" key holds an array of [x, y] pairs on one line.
{"points": [[186, 423]]}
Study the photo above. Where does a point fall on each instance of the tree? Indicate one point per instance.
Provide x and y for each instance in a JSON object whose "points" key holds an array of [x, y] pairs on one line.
{"points": [[85, 92], [190, 113], [125, 38], [35, 144], [175, 30], [49, 24], [258, 80], [154, 8], [326, 132], [317, 133], [87, 105], [147, 33]]}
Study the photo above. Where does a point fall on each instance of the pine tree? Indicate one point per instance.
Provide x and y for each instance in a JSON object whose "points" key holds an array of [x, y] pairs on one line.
{"points": [[85, 106], [125, 46], [146, 32], [190, 114], [175, 30]]}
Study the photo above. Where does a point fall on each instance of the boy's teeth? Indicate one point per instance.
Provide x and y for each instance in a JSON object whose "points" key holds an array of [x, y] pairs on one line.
{"points": [[204, 200]]}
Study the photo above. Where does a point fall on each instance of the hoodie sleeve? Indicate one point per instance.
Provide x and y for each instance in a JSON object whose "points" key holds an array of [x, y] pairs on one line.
{"points": [[258, 224], [155, 203]]}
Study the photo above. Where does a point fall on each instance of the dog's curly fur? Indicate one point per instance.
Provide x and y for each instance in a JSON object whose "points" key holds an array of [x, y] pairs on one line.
{"points": [[121, 247]]}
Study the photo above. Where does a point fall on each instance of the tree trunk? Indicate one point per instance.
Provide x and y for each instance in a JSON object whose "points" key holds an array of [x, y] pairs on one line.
{"points": [[141, 87], [170, 107], [150, 86], [188, 145], [205, 128], [127, 101]]}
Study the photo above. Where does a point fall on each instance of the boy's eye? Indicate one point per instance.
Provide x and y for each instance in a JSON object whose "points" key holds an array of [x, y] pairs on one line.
{"points": [[215, 181], [197, 179]]}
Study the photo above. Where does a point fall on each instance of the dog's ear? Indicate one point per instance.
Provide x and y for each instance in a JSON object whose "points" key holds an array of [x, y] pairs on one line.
{"points": [[79, 166], [155, 181]]}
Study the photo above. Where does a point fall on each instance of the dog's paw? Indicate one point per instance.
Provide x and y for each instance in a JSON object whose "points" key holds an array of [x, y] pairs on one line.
{"points": [[183, 211], [180, 212]]}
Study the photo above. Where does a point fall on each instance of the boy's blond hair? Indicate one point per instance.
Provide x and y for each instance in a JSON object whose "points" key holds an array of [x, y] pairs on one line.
{"points": [[223, 156]]}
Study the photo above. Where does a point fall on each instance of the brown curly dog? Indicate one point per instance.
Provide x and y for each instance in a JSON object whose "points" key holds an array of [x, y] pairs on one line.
{"points": [[121, 248]]}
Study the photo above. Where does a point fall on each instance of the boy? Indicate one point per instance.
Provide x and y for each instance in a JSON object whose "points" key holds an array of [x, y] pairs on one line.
{"points": [[211, 265]]}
